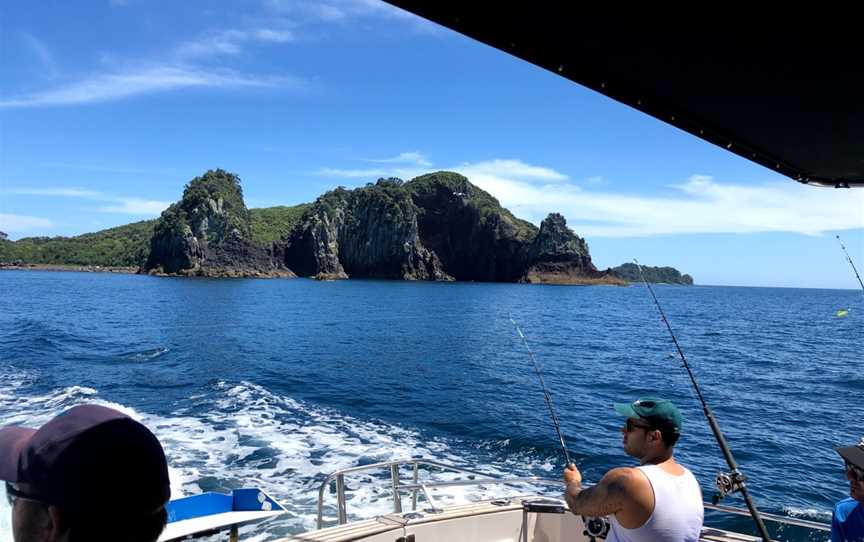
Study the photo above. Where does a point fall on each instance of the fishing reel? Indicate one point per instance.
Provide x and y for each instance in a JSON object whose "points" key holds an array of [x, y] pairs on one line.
{"points": [[726, 483], [595, 528]]}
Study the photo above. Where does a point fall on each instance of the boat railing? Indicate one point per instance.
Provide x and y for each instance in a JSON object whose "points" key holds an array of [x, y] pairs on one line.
{"points": [[786, 520], [415, 487]]}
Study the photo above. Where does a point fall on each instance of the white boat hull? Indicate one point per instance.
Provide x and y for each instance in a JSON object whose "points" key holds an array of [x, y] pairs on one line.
{"points": [[478, 522]]}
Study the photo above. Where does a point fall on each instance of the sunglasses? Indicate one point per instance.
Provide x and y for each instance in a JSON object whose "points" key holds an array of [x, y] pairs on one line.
{"points": [[855, 471], [631, 425], [13, 494]]}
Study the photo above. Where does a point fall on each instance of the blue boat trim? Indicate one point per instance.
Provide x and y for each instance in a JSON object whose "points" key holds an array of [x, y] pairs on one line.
{"points": [[208, 504]]}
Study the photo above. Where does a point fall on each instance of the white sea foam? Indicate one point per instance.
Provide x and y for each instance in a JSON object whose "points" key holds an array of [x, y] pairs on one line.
{"points": [[811, 514], [19, 409], [147, 355], [242, 435]]}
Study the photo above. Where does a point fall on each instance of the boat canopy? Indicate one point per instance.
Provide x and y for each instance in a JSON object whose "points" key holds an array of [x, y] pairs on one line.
{"points": [[782, 91]]}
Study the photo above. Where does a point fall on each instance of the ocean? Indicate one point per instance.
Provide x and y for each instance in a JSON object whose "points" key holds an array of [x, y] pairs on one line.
{"points": [[276, 383]]}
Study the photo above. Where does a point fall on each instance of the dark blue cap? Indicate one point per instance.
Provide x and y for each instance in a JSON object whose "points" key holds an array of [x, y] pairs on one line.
{"points": [[89, 456]]}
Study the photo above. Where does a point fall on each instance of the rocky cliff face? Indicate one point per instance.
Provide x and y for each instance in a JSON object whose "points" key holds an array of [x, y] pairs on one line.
{"points": [[559, 256], [207, 233], [312, 247], [474, 237], [367, 232], [434, 227]]}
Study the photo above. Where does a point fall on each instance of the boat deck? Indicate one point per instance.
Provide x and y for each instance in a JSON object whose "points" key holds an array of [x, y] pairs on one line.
{"points": [[488, 521]]}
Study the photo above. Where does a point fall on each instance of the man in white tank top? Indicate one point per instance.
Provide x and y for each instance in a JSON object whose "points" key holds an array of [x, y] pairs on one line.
{"points": [[658, 501]]}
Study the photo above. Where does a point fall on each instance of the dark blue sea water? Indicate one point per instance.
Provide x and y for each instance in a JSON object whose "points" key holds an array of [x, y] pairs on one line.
{"points": [[276, 383]]}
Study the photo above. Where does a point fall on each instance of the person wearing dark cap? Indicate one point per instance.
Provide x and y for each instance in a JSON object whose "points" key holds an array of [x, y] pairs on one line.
{"points": [[657, 501], [91, 474], [847, 521]]}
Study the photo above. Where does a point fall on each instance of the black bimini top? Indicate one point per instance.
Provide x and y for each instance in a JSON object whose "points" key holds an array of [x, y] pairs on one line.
{"points": [[787, 94]]}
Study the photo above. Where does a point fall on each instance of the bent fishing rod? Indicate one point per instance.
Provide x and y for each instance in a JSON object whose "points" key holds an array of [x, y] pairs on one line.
{"points": [[848, 259], [727, 483], [546, 394]]}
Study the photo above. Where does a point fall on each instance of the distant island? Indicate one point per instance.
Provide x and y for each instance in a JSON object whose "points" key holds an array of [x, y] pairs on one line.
{"points": [[437, 226], [667, 275]]}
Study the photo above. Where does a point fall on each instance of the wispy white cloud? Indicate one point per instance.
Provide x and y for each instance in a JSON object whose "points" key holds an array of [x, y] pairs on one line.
{"points": [[514, 169], [117, 204], [222, 43], [109, 168], [190, 64], [341, 11], [700, 205], [183, 67], [413, 157], [229, 42], [106, 87], [42, 53], [371, 174], [273, 36], [23, 223], [327, 12], [374, 8], [136, 206], [336, 10], [411, 164], [59, 192]]}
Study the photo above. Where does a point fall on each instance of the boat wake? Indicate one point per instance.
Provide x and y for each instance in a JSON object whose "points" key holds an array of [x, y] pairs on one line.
{"points": [[242, 435]]}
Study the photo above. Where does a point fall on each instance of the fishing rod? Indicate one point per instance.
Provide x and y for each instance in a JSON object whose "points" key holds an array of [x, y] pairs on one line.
{"points": [[546, 394], [734, 480], [850, 262]]}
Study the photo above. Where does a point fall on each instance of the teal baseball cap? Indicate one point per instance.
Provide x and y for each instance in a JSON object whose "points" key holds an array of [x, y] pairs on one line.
{"points": [[660, 413]]}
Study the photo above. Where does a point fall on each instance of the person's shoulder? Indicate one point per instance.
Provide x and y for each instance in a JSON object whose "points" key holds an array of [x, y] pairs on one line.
{"points": [[624, 477], [844, 508]]}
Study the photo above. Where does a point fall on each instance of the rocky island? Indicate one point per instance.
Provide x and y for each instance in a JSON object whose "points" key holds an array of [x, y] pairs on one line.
{"points": [[208, 233], [437, 227], [663, 275], [434, 227]]}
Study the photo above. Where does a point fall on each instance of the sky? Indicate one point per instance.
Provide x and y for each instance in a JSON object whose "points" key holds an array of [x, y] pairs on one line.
{"points": [[108, 108]]}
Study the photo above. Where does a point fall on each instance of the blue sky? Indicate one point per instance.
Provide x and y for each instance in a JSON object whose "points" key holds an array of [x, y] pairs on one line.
{"points": [[108, 108]]}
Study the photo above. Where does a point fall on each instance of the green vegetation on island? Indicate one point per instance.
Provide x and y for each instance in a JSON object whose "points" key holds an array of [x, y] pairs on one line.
{"points": [[665, 275], [215, 195], [270, 224], [437, 226], [209, 233], [129, 245], [123, 246], [489, 208]]}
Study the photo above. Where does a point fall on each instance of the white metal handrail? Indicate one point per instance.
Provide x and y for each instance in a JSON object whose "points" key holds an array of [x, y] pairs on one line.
{"points": [[770, 517], [415, 486]]}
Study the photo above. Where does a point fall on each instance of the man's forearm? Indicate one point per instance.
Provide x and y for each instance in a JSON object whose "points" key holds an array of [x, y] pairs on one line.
{"points": [[593, 501]]}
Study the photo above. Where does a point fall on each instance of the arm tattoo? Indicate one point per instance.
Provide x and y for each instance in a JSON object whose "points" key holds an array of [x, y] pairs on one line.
{"points": [[604, 499]]}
